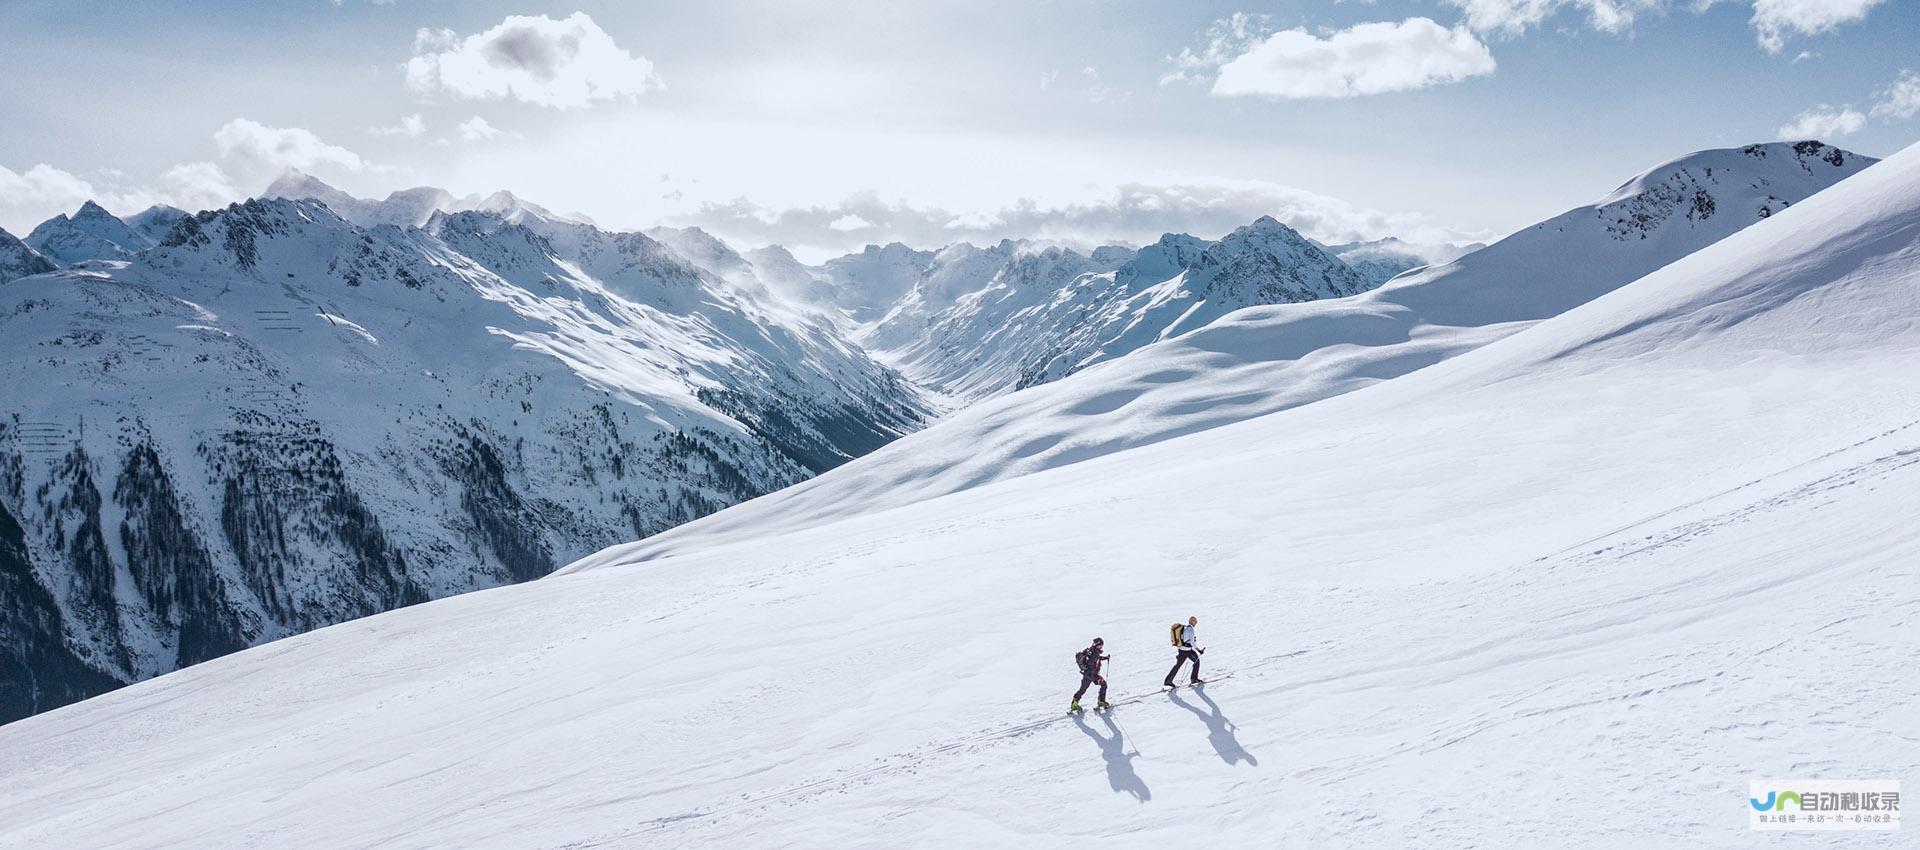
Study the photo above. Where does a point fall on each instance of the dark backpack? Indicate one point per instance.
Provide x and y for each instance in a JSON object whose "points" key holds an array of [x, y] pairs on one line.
{"points": [[1081, 661]]}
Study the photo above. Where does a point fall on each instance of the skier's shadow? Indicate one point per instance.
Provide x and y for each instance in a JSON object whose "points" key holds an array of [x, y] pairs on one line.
{"points": [[1219, 729], [1113, 748]]}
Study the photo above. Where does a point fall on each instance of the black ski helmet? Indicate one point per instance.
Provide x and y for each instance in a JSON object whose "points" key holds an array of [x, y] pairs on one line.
{"points": [[1098, 642]]}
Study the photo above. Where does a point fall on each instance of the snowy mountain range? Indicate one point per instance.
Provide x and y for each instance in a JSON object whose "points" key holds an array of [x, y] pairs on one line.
{"points": [[978, 322], [92, 233], [402, 208], [1605, 549], [1265, 359], [277, 416], [276, 419]]}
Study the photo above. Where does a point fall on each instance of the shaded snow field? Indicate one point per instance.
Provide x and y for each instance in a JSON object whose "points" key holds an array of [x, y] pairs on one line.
{"points": [[1572, 588]]}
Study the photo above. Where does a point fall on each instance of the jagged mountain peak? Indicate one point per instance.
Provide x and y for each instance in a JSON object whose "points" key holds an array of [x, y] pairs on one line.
{"points": [[294, 183], [18, 259], [1265, 229], [154, 221], [1163, 259], [92, 211], [91, 233]]}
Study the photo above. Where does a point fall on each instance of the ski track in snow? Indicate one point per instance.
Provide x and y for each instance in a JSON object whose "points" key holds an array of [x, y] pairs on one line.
{"points": [[1576, 630]]}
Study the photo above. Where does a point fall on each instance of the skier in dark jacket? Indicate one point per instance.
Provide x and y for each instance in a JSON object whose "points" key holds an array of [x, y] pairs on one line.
{"points": [[1188, 647], [1089, 660]]}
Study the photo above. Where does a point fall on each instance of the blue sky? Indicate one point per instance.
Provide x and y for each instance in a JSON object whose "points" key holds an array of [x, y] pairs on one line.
{"points": [[829, 125]]}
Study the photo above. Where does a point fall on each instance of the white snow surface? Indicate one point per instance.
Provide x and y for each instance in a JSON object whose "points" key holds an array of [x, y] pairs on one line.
{"points": [[1571, 589]]}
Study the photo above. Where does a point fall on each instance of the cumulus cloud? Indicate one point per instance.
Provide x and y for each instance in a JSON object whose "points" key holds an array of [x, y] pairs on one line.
{"points": [[1365, 59], [1227, 40], [1134, 213], [1900, 100], [476, 129], [252, 152], [250, 155], [1516, 16], [1774, 21], [562, 64], [410, 126], [1824, 122], [196, 186], [40, 192], [1096, 90]]}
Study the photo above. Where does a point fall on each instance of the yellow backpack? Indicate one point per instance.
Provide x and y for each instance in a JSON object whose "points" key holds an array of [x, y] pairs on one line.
{"points": [[1179, 630]]}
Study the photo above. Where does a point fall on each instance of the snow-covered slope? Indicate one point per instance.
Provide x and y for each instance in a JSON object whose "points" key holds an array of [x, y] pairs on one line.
{"points": [[277, 420], [984, 321], [1262, 359], [18, 259], [91, 233], [1652, 547]]}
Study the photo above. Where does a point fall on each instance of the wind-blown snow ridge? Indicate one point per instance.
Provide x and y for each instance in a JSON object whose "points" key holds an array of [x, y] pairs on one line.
{"points": [[1611, 550]]}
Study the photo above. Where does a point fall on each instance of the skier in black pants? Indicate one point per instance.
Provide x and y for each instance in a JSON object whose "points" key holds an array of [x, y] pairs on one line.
{"points": [[1089, 660], [1186, 642]]}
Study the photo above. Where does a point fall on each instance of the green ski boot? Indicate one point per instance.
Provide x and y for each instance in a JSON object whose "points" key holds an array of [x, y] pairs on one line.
{"points": [[1105, 706], [1075, 708]]}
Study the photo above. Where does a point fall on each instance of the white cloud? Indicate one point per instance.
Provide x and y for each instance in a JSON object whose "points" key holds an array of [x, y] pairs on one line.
{"points": [[1226, 40], [1823, 122], [1776, 20], [43, 191], [410, 126], [1370, 58], [196, 186], [1135, 213], [557, 63], [1900, 100], [476, 129], [31, 196], [848, 222], [1096, 90], [251, 152], [1516, 16]]}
